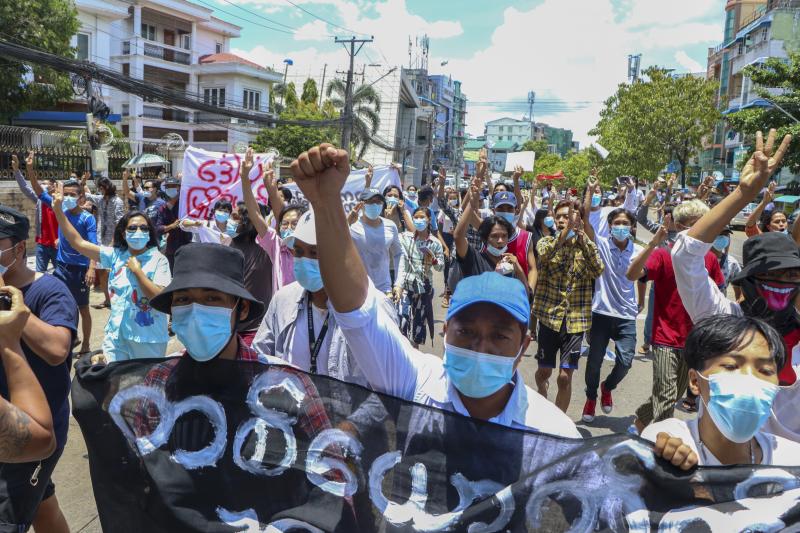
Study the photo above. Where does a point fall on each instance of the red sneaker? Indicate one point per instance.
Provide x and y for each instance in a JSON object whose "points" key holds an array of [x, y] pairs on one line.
{"points": [[588, 410], [605, 399]]}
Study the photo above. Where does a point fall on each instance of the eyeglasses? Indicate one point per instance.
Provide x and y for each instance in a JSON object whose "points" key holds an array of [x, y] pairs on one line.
{"points": [[285, 225], [143, 228]]}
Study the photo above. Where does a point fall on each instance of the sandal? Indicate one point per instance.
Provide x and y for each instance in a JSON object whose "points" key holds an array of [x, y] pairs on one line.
{"points": [[644, 349], [446, 301], [104, 305]]}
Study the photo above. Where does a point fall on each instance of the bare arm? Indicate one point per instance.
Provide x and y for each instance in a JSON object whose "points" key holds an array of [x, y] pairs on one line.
{"points": [[368, 177], [533, 272], [253, 211], [81, 245], [517, 188], [460, 231], [31, 171], [636, 268], [641, 287], [150, 289], [126, 190], [755, 216], [587, 208]]}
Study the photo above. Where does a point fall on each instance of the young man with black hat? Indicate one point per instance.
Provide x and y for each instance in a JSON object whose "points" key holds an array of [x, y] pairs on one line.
{"points": [[47, 345], [377, 240], [486, 331], [770, 276]]}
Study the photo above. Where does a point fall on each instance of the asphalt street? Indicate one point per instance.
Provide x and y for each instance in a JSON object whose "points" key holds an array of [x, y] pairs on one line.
{"points": [[73, 483]]}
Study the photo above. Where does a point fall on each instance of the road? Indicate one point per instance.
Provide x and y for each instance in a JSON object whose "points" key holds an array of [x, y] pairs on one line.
{"points": [[73, 483]]}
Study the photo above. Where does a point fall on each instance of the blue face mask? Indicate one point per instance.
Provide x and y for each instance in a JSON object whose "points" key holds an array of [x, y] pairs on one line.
{"points": [[171, 192], [509, 217], [596, 200], [570, 234], [69, 203], [231, 228], [204, 330], [739, 404], [721, 243], [421, 224], [497, 252], [306, 272], [475, 374], [137, 240], [373, 211], [391, 200], [549, 222], [221, 216], [621, 233]]}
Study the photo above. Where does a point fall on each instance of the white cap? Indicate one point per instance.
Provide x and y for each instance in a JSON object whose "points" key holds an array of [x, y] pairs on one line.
{"points": [[305, 230]]}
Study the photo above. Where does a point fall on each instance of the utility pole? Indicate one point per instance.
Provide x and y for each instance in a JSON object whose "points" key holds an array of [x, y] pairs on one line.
{"points": [[531, 101], [347, 125], [322, 87]]}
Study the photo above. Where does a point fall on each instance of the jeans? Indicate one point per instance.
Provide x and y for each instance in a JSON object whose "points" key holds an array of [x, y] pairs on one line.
{"points": [[623, 333], [45, 255], [648, 322]]}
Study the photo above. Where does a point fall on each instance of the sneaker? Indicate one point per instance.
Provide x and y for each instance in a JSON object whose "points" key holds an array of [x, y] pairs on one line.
{"points": [[605, 399], [588, 410]]}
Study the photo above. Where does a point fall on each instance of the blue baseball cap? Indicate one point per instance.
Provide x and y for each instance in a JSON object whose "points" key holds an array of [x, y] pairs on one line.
{"points": [[491, 287], [504, 198]]}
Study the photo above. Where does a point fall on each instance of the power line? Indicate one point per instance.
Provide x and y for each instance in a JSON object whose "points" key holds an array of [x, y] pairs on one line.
{"points": [[304, 10], [244, 19], [260, 16]]}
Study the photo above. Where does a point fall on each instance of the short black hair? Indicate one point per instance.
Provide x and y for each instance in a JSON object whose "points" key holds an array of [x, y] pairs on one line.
{"points": [[490, 222], [121, 227], [291, 207], [287, 194], [73, 183], [766, 218], [224, 205], [720, 334], [425, 194], [108, 185], [395, 187], [621, 211]]}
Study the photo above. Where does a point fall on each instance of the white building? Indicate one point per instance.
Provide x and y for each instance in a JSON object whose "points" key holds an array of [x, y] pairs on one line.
{"points": [[508, 129], [178, 45]]}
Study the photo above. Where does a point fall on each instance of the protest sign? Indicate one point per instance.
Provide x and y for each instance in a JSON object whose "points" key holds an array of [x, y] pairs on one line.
{"points": [[177, 445], [523, 159]]}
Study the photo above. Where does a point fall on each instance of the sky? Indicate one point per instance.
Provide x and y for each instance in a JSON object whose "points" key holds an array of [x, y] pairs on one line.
{"points": [[572, 53]]}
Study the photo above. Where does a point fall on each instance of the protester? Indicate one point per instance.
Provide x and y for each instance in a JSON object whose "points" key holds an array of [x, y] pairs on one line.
{"points": [[485, 331], [728, 264], [71, 266], [765, 217], [377, 240], [46, 224], [614, 306], [139, 272], [671, 323], [395, 208], [147, 201], [110, 209], [562, 304], [519, 242], [733, 368], [168, 220], [421, 254], [448, 222], [46, 342], [633, 195], [474, 220], [219, 229], [543, 226]]}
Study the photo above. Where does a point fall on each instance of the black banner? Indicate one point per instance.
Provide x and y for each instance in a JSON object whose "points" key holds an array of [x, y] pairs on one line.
{"points": [[233, 446]]}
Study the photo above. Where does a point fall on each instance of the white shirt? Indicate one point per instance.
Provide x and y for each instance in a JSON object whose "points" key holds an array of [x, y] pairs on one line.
{"points": [[375, 246], [208, 232], [633, 199], [299, 352], [777, 450], [614, 293], [394, 367]]}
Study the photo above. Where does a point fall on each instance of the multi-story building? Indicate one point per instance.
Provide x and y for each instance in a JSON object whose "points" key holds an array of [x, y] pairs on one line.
{"points": [[508, 129], [443, 95], [459, 126], [559, 140]]}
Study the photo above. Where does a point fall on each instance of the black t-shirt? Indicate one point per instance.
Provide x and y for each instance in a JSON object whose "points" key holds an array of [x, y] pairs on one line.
{"points": [[474, 263], [50, 300], [257, 277]]}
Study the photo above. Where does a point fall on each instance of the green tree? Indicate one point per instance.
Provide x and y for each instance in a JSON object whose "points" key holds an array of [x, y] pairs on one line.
{"points": [[540, 147], [49, 25], [774, 73], [290, 100], [548, 164], [647, 124], [366, 113], [291, 141], [310, 92], [577, 166]]}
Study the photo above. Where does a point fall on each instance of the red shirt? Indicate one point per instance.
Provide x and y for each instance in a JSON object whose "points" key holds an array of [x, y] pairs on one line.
{"points": [[671, 322], [787, 375], [519, 245], [49, 227]]}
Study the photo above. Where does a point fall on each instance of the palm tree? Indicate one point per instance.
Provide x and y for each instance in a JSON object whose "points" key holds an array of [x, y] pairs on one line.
{"points": [[366, 112]]}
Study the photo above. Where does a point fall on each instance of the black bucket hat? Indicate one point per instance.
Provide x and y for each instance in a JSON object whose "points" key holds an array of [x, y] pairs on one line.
{"points": [[207, 266], [766, 252]]}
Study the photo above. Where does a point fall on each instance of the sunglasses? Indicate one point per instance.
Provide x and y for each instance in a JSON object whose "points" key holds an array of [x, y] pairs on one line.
{"points": [[143, 228]]}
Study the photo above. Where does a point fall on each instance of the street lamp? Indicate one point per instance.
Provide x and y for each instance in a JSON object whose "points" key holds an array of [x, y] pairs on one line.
{"points": [[286, 62]]}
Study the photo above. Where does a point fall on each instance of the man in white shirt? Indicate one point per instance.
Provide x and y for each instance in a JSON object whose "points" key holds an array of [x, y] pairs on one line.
{"points": [[377, 240], [633, 196], [733, 368], [485, 332]]}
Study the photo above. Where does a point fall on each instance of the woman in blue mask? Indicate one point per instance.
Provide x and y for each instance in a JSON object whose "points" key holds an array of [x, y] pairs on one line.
{"points": [[733, 368], [421, 255], [137, 273], [220, 228], [728, 264], [543, 226]]}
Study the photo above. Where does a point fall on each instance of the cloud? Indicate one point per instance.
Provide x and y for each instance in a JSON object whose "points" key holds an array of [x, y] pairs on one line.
{"points": [[313, 31], [687, 63]]}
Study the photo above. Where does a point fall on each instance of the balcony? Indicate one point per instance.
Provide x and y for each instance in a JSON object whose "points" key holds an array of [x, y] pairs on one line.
{"points": [[159, 113], [165, 52], [753, 53]]}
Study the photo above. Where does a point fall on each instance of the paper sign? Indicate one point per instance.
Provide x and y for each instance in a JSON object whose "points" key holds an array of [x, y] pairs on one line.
{"points": [[523, 159]]}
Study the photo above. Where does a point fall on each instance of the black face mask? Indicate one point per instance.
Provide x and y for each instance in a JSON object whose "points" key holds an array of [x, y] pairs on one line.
{"points": [[784, 320]]}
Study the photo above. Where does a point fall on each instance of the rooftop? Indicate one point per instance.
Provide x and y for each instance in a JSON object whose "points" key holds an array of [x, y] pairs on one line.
{"points": [[228, 58]]}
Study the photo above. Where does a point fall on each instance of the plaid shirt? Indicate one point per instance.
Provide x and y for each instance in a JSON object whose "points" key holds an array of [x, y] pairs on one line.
{"points": [[564, 290], [312, 418], [473, 237], [416, 266]]}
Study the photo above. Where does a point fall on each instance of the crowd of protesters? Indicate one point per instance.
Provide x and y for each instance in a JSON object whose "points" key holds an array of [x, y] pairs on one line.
{"points": [[351, 296]]}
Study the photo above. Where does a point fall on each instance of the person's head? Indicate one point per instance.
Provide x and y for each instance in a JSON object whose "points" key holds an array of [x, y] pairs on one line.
{"points": [[620, 223], [687, 213], [505, 206], [561, 214], [453, 198], [774, 220], [240, 226], [374, 203], [151, 188], [14, 229], [222, 211], [488, 316], [723, 241], [172, 187], [49, 184], [306, 262], [135, 231], [543, 220], [733, 366], [207, 299], [288, 219], [499, 187], [425, 196], [73, 196], [287, 194], [422, 219], [106, 187], [495, 232]]}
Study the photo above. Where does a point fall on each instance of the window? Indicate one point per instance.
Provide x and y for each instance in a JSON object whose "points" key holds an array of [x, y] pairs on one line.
{"points": [[218, 48], [126, 69], [82, 47], [252, 100], [149, 32], [214, 96], [764, 33]]}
